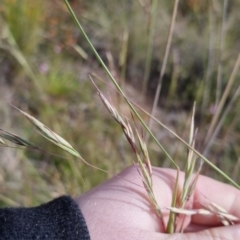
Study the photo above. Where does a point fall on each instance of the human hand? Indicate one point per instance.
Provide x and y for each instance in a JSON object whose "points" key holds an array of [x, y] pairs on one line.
{"points": [[119, 208]]}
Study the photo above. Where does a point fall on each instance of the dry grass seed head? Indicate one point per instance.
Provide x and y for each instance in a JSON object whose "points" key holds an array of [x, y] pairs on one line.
{"points": [[15, 139], [50, 135], [2, 142]]}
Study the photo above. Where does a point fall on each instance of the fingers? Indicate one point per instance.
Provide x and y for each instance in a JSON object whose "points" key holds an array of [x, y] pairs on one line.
{"points": [[207, 190]]}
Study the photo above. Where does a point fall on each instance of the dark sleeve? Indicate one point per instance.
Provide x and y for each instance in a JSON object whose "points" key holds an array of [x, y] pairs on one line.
{"points": [[60, 219]]}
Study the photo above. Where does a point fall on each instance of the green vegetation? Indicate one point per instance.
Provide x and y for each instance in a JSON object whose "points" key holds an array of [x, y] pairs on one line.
{"points": [[44, 67]]}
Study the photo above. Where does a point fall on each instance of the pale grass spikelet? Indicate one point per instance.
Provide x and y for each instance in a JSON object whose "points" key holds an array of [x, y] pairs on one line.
{"points": [[114, 113], [203, 211], [144, 150], [15, 139], [126, 127], [189, 212], [50, 135], [226, 218], [2, 142]]}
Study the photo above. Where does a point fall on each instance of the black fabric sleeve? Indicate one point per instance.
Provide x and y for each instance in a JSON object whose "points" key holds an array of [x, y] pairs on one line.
{"points": [[56, 220]]}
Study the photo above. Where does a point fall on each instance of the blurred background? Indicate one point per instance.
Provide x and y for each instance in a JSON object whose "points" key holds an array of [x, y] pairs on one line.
{"points": [[44, 70]]}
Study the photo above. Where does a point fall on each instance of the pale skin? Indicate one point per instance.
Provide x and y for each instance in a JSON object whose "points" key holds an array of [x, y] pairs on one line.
{"points": [[119, 208]]}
